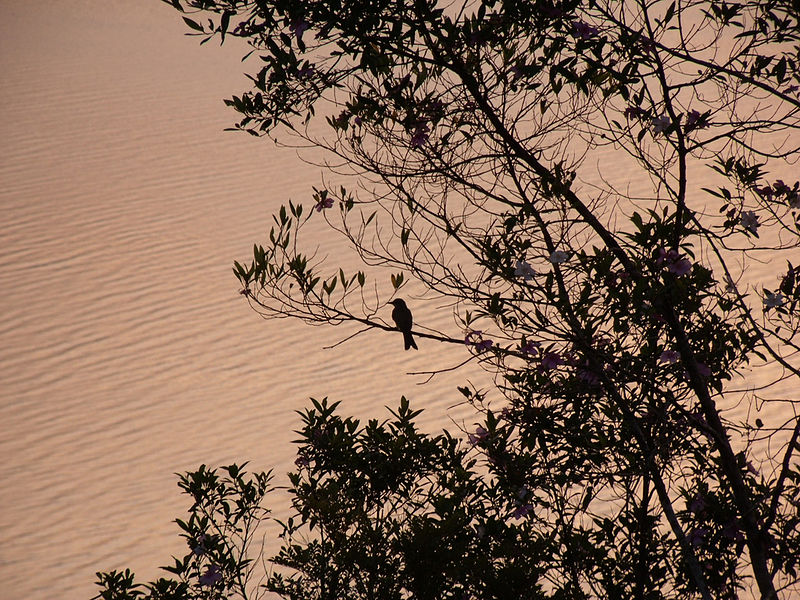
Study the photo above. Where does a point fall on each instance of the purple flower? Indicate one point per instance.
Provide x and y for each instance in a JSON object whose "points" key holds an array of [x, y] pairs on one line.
{"points": [[211, 576], [484, 345], [522, 511], [751, 468], [523, 270], [781, 188], [669, 357], [694, 120], [697, 505], [530, 347], [475, 338], [675, 265], [666, 256], [323, 203], [773, 300], [306, 71], [475, 333], [551, 360], [200, 546], [551, 11], [661, 124], [732, 532], [696, 536], [559, 257], [634, 112], [749, 220], [479, 435], [680, 267], [302, 461], [298, 27], [584, 30], [420, 136], [766, 192]]}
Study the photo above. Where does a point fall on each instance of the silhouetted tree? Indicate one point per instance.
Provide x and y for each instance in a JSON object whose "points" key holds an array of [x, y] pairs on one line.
{"points": [[494, 144]]}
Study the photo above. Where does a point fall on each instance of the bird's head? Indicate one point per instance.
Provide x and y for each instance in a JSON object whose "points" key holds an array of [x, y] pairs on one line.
{"points": [[398, 302]]}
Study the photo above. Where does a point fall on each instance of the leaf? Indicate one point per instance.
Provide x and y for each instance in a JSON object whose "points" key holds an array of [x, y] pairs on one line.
{"points": [[670, 13], [223, 25], [780, 70], [193, 24]]}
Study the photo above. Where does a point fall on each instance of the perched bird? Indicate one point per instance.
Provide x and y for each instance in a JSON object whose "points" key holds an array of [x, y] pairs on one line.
{"points": [[402, 318]]}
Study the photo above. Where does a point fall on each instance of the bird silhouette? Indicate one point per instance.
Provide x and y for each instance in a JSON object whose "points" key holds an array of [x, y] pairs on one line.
{"points": [[402, 318]]}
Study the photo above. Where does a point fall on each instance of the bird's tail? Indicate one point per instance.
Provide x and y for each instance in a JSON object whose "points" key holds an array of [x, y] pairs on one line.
{"points": [[409, 340]]}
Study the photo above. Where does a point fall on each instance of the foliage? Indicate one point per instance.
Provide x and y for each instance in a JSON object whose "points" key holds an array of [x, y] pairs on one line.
{"points": [[497, 140], [226, 509]]}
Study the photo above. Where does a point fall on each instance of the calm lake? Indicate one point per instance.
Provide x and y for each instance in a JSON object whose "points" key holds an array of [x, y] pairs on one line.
{"points": [[126, 352]]}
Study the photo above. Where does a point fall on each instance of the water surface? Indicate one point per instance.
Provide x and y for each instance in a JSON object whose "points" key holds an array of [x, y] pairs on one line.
{"points": [[126, 353]]}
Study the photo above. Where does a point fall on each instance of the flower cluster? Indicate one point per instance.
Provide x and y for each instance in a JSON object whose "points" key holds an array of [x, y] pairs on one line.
{"points": [[773, 300], [297, 28], [523, 270], [673, 261], [660, 124], [552, 360], [669, 357], [211, 577], [480, 434], [323, 203], [420, 135], [749, 220], [695, 120], [583, 30], [635, 112], [475, 338], [306, 71], [779, 190]]}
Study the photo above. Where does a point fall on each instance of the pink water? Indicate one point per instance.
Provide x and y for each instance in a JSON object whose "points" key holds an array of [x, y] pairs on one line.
{"points": [[126, 353]]}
